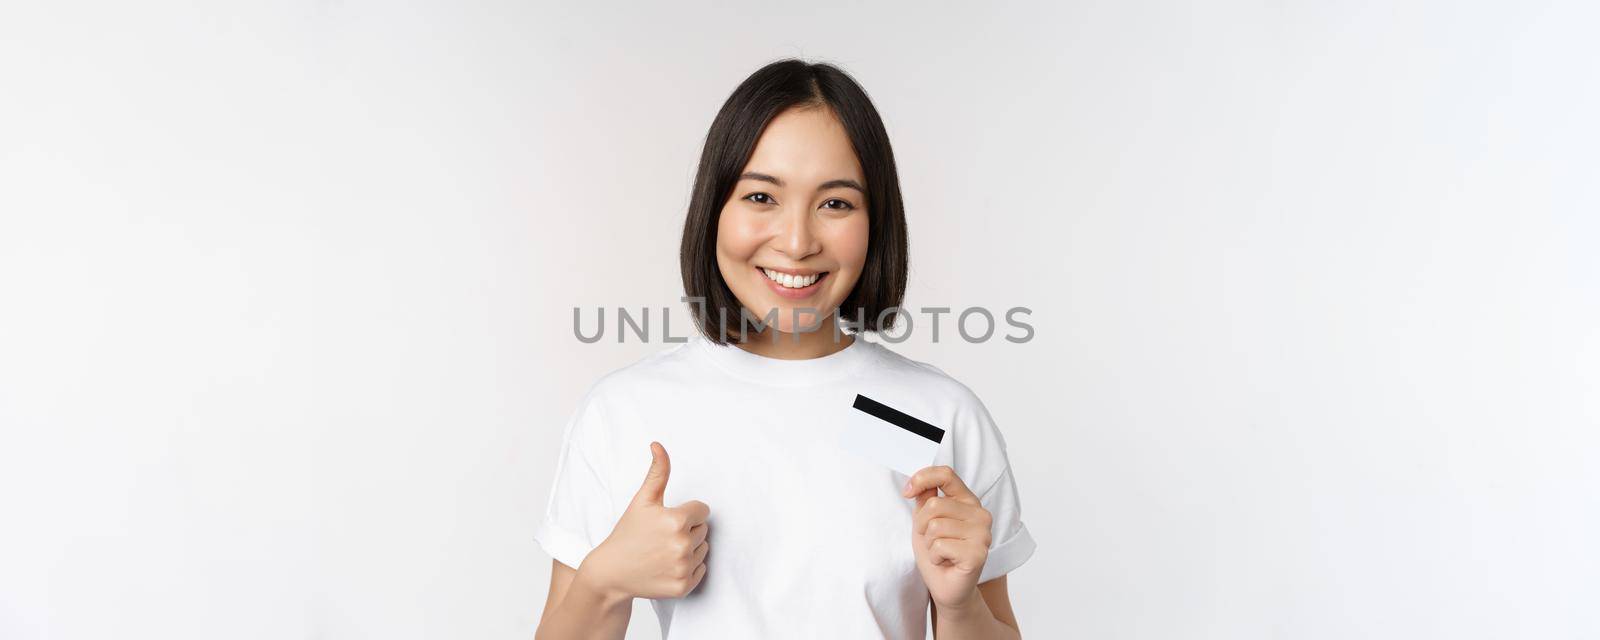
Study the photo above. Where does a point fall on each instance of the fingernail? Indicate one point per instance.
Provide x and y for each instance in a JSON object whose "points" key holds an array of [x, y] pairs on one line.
{"points": [[906, 489]]}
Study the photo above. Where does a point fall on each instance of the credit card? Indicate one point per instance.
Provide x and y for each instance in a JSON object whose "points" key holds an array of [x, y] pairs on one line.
{"points": [[887, 436]]}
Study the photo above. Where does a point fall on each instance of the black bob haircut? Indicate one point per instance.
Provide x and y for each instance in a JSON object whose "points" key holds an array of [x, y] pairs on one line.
{"points": [[874, 303]]}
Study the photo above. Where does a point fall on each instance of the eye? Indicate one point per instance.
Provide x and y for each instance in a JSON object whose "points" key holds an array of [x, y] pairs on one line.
{"points": [[759, 195], [847, 206]]}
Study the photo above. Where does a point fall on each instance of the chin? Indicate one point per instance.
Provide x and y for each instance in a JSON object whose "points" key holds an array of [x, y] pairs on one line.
{"points": [[785, 323]]}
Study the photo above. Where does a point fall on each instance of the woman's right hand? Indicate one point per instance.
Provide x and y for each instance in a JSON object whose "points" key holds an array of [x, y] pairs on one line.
{"points": [[654, 551]]}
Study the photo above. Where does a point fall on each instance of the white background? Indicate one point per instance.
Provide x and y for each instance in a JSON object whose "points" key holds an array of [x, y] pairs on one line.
{"points": [[286, 298]]}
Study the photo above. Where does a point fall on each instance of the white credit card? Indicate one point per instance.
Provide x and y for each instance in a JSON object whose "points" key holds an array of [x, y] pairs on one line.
{"points": [[887, 436]]}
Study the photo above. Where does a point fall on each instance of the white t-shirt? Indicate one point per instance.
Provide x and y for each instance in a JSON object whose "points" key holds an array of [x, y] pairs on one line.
{"points": [[807, 540]]}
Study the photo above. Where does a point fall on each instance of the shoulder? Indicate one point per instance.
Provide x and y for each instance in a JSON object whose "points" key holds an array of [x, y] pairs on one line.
{"points": [[934, 381], [615, 396], [666, 367]]}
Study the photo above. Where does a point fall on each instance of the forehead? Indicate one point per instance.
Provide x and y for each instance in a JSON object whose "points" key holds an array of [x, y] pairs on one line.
{"points": [[805, 146]]}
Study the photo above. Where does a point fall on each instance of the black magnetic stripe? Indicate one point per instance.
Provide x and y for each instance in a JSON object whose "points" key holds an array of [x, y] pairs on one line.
{"points": [[890, 415]]}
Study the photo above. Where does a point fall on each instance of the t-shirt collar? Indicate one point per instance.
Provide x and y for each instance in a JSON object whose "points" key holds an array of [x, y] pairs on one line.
{"points": [[785, 373]]}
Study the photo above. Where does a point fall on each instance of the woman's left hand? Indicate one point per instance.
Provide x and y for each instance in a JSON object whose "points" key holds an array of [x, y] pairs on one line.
{"points": [[949, 535]]}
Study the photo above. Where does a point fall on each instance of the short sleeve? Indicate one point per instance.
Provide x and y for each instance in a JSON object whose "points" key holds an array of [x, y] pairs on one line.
{"points": [[579, 514], [979, 455], [1010, 543]]}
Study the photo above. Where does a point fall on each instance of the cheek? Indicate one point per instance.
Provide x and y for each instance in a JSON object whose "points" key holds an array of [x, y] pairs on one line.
{"points": [[850, 243], [738, 237]]}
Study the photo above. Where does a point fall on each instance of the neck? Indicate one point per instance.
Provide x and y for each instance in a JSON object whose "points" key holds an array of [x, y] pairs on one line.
{"points": [[804, 345]]}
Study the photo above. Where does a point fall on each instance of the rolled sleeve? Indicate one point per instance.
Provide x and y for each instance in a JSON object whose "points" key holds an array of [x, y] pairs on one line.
{"points": [[578, 516], [1011, 545]]}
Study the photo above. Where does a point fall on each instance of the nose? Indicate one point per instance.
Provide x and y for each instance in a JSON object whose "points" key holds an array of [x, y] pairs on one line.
{"points": [[795, 237]]}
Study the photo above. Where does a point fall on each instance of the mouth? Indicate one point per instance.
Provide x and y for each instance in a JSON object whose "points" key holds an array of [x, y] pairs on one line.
{"points": [[793, 285]]}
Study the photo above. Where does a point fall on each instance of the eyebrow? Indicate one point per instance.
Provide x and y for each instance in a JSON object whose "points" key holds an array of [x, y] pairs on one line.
{"points": [[840, 182]]}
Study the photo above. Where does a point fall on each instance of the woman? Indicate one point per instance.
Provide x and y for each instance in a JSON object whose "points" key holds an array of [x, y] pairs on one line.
{"points": [[760, 524]]}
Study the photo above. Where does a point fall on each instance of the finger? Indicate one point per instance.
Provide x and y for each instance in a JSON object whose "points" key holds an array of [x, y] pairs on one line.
{"points": [[941, 477], [698, 532], [701, 550], [956, 529], [942, 550], [946, 507], [698, 575], [960, 553], [696, 511], [655, 480]]}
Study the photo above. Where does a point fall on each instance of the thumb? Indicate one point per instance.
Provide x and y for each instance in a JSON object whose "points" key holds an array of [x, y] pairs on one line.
{"points": [[655, 480]]}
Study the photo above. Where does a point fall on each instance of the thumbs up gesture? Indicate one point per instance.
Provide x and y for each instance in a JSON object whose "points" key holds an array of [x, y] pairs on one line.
{"points": [[654, 551]]}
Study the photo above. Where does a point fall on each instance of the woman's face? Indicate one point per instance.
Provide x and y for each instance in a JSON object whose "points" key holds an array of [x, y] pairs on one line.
{"points": [[793, 235]]}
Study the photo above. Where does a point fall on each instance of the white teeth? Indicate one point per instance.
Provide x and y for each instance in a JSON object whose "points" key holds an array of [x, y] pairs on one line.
{"points": [[790, 280]]}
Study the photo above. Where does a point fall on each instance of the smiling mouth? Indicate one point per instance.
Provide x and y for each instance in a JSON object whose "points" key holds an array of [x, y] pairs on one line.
{"points": [[792, 281]]}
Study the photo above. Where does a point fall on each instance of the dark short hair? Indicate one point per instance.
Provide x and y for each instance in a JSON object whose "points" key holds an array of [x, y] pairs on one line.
{"points": [[876, 297]]}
